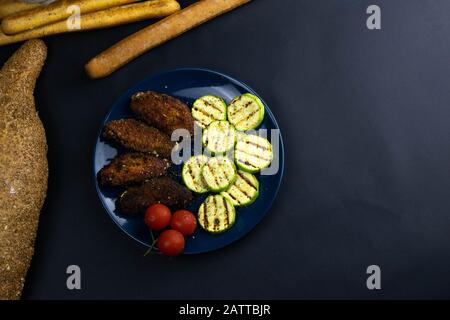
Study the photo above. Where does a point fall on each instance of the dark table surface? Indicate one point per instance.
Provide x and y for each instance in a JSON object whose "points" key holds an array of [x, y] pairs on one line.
{"points": [[365, 119]]}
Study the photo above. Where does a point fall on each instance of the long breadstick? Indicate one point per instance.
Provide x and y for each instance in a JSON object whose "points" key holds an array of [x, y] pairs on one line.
{"points": [[9, 7], [101, 19], [140, 42], [55, 12]]}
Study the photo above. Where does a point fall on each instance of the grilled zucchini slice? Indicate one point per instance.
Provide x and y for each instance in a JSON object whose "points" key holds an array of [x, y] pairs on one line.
{"points": [[208, 109], [219, 137], [219, 173], [252, 153], [246, 112], [243, 191], [216, 214], [192, 174]]}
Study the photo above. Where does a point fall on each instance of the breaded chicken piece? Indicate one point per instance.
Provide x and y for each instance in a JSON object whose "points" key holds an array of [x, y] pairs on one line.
{"points": [[131, 168], [137, 136], [162, 111], [157, 190]]}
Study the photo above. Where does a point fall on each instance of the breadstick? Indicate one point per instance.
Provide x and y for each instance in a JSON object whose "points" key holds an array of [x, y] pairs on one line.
{"points": [[9, 7], [100, 19], [142, 41], [55, 12], [23, 166]]}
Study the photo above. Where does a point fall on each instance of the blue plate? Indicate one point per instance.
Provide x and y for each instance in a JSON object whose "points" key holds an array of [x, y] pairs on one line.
{"points": [[187, 85]]}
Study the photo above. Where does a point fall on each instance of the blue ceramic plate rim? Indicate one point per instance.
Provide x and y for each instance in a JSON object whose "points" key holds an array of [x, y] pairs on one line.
{"points": [[174, 70]]}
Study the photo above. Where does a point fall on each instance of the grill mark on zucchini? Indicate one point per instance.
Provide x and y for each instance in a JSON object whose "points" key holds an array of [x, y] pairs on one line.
{"points": [[245, 107], [215, 221], [247, 163], [240, 191], [232, 196], [216, 224], [247, 117], [224, 173], [209, 116], [191, 174], [203, 124], [215, 176], [244, 192], [245, 152], [236, 100], [241, 108], [209, 104], [201, 111], [226, 212], [247, 181], [205, 217], [264, 148]]}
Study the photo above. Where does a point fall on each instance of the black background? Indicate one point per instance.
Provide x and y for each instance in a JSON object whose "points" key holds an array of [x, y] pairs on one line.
{"points": [[365, 120]]}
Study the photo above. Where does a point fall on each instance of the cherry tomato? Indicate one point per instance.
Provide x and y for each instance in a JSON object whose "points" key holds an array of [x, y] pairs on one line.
{"points": [[157, 217], [170, 243], [184, 221]]}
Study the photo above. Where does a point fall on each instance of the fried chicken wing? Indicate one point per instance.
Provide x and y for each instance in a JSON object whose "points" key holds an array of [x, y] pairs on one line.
{"points": [[131, 168], [157, 190], [162, 111], [137, 136]]}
